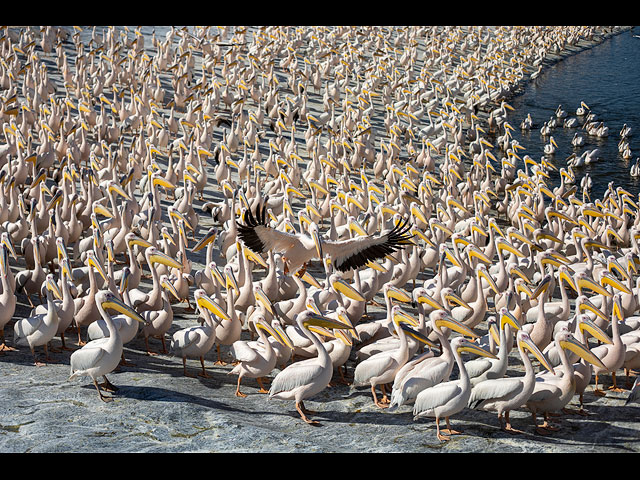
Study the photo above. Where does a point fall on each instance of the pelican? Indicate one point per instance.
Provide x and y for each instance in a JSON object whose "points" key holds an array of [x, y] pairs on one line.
{"points": [[158, 322], [299, 249], [448, 398], [99, 357], [553, 394], [197, 341], [483, 369], [508, 393], [305, 378], [257, 360], [381, 368], [39, 329], [611, 355], [426, 370]]}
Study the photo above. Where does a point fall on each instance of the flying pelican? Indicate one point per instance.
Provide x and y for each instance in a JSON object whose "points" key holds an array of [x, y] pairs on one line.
{"points": [[299, 249], [99, 357], [305, 378], [448, 398]]}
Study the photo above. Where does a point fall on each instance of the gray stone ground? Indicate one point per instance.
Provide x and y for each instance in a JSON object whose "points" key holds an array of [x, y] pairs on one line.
{"points": [[157, 409]]}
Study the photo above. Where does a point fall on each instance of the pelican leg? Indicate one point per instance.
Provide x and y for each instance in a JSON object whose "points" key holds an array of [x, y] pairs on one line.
{"points": [[184, 368], [375, 397], [238, 392], [614, 387], [35, 359], [204, 372], [3, 346], [262, 388], [384, 398], [449, 430], [597, 391], [146, 343], [124, 363], [442, 438], [64, 346], [107, 385], [219, 361], [508, 427], [102, 397], [164, 345], [303, 411], [540, 429]]}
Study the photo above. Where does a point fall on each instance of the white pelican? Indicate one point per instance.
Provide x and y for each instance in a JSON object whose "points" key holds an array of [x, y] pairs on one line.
{"points": [[448, 398], [257, 359], [299, 249], [305, 378], [196, 341], [381, 368], [39, 329], [508, 393], [553, 393], [426, 370], [612, 355], [99, 357], [483, 369]]}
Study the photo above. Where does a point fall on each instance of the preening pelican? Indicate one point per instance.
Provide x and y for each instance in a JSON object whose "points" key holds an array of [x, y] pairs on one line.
{"points": [[99, 357], [299, 249], [305, 378]]}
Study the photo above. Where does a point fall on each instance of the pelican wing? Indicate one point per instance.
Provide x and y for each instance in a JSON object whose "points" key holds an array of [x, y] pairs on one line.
{"points": [[477, 367], [260, 237], [183, 339], [357, 252], [495, 389], [243, 352], [27, 326], [87, 357], [296, 375], [436, 396]]}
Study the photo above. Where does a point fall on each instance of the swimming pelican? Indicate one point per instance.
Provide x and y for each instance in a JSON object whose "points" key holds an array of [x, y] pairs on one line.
{"points": [[299, 249], [448, 398], [305, 378], [99, 357]]}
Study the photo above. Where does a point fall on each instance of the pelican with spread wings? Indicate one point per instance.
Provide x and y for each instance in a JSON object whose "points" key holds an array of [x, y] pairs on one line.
{"points": [[298, 249]]}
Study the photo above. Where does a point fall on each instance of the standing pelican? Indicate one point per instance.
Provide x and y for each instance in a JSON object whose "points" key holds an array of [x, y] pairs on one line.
{"points": [[39, 329], [99, 357], [305, 378], [381, 368], [197, 341], [448, 398], [257, 359], [508, 393]]}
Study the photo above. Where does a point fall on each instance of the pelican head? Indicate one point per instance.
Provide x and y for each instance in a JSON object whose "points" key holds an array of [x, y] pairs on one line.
{"points": [[206, 240], [565, 340], [525, 342], [342, 286], [204, 301], [108, 300], [443, 319]]}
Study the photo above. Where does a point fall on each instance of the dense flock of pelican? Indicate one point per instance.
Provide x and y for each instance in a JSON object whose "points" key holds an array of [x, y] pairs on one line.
{"points": [[331, 204]]}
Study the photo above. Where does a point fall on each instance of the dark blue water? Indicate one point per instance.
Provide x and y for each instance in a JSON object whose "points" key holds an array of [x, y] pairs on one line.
{"points": [[607, 78]]}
